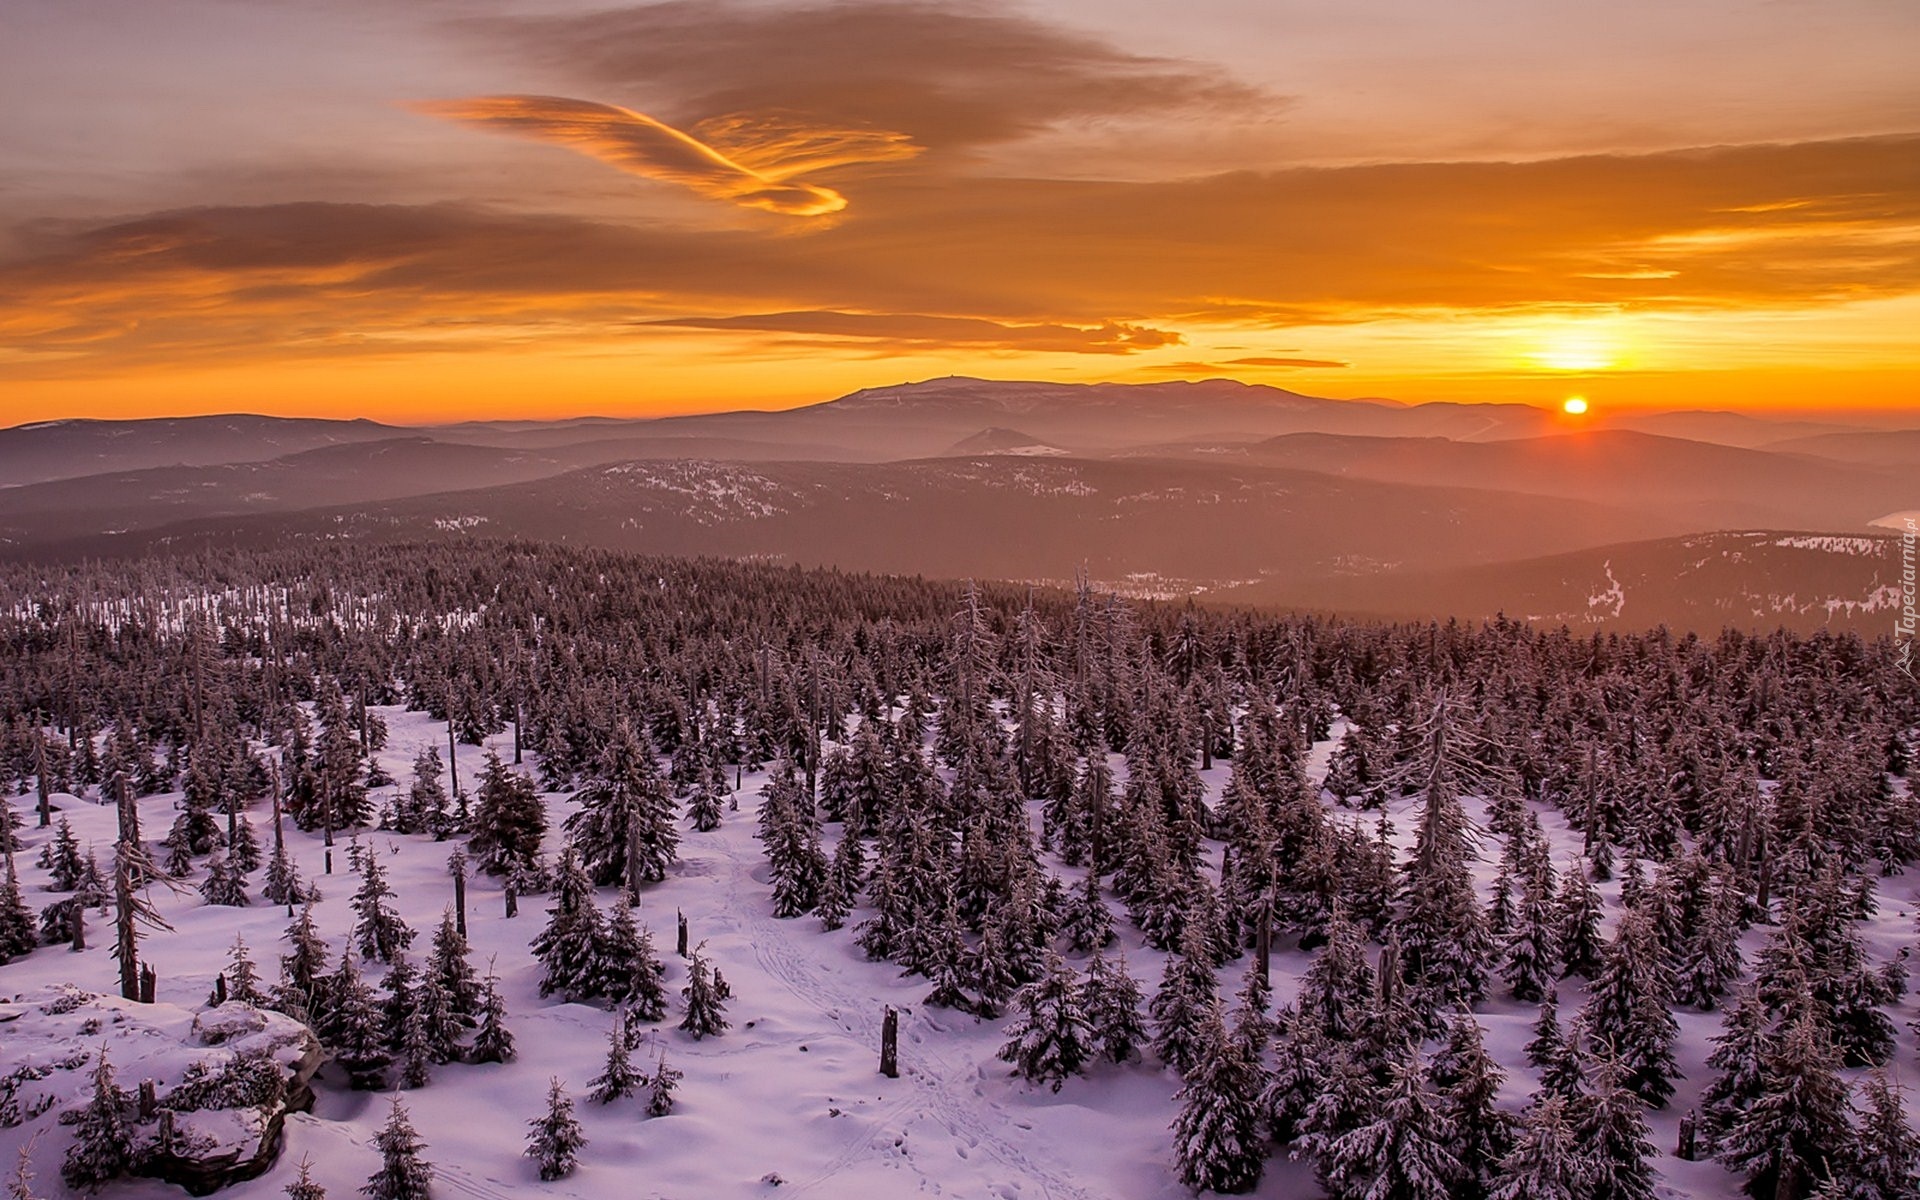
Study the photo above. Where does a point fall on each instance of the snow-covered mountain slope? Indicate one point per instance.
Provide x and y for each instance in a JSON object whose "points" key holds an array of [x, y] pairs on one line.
{"points": [[791, 1091]]}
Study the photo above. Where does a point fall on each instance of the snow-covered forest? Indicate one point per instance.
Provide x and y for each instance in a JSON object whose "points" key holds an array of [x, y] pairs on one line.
{"points": [[488, 869]]}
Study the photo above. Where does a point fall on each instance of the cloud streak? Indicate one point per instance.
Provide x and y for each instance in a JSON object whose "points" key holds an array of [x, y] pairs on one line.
{"points": [[744, 159], [914, 331]]}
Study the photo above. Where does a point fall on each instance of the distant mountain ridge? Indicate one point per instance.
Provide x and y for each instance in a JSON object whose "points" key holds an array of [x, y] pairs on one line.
{"points": [[1212, 488]]}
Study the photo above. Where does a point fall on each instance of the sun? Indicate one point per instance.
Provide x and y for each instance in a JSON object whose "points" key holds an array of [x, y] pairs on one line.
{"points": [[1574, 406]]}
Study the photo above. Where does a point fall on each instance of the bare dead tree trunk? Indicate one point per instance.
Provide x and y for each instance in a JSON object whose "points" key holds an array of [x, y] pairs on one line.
{"points": [[890, 1044]]}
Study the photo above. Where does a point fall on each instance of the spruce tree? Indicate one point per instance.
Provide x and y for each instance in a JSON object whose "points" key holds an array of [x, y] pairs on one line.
{"points": [[660, 1090], [379, 929], [1580, 910], [1611, 1125], [570, 947], [1111, 998], [1216, 1136], [1180, 1005], [1050, 1037], [1530, 960], [102, 1149], [1886, 1160], [403, 1174], [630, 969], [492, 1041], [706, 1015], [1402, 1151], [1546, 1162], [356, 1028], [508, 820], [556, 1139], [303, 1186], [1798, 1130], [1739, 1055], [448, 966], [618, 1078], [624, 831], [223, 886], [1469, 1101], [243, 977], [1089, 922], [1630, 1007], [17, 933]]}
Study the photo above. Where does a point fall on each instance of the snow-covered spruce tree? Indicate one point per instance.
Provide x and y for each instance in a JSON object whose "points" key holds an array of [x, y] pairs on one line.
{"points": [[424, 807], [1050, 1037], [1886, 1161], [1545, 1162], [1216, 1136], [355, 1028], [706, 1014], [1611, 1125], [1111, 998], [630, 968], [448, 964], [790, 835], [1088, 922], [17, 934], [304, 1186], [62, 858], [1444, 945], [102, 1149], [1579, 903], [508, 820], [618, 1079], [223, 885], [303, 971], [993, 974], [1548, 1042], [556, 1139], [281, 884], [624, 831], [1338, 985], [492, 1041], [1630, 1007], [403, 1174], [415, 1053], [1530, 960], [570, 947], [1403, 1151], [1180, 1005], [379, 930], [1798, 1130], [1344, 1098], [660, 1089], [1709, 961], [1482, 1131], [1738, 1055], [243, 977]]}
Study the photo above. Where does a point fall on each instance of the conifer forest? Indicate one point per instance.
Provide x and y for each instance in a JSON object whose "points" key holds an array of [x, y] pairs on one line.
{"points": [[481, 869]]}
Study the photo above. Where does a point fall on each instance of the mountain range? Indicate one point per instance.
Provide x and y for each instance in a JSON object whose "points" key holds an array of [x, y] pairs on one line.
{"points": [[1228, 491]]}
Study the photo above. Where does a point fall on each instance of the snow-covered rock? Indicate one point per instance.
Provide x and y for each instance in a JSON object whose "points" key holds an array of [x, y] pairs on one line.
{"points": [[224, 1079]]}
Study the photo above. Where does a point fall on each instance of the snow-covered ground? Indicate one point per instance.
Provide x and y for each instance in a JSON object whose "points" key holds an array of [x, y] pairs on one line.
{"points": [[792, 1090]]}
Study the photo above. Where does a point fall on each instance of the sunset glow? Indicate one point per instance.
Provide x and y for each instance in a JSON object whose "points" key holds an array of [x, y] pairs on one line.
{"points": [[344, 209]]}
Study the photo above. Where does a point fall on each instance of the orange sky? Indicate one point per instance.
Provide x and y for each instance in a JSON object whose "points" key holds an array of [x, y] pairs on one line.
{"points": [[493, 209]]}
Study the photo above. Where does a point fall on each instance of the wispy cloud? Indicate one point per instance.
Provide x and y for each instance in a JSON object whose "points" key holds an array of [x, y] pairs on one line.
{"points": [[911, 330], [746, 159]]}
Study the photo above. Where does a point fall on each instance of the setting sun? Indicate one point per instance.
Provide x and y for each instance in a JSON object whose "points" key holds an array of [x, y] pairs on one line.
{"points": [[1574, 405]]}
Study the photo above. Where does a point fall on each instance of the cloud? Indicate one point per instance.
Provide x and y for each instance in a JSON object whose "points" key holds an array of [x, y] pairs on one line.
{"points": [[1007, 263], [949, 76], [747, 160], [908, 330], [1284, 362], [1227, 367]]}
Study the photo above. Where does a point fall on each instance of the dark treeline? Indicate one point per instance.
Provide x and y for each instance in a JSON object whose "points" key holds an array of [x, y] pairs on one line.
{"points": [[1731, 784]]}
